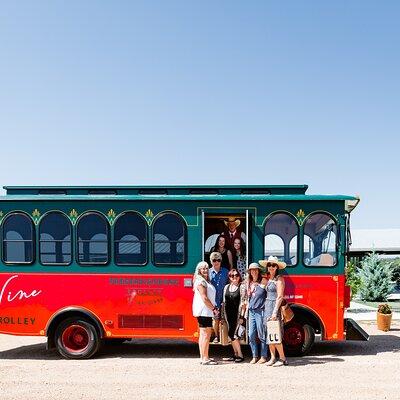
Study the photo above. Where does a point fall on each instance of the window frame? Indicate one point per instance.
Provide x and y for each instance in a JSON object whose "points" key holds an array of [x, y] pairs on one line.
{"points": [[85, 264], [33, 241], [115, 241], [336, 243], [185, 236], [268, 217], [71, 240]]}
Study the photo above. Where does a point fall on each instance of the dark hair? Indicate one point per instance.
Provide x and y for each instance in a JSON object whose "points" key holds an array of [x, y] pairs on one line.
{"points": [[242, 246], [235, 270], [216, 245]]}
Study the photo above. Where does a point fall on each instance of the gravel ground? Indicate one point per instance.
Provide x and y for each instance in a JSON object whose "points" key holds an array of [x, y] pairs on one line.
{"points": [[160, 370]]}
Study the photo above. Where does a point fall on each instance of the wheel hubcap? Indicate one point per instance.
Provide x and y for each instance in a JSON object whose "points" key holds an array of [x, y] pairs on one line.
{"points": [[75, 338], [294, 335]]}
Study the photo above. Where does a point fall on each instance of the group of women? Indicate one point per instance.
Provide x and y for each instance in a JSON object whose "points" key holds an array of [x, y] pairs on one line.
{"points": [[250, 302]]}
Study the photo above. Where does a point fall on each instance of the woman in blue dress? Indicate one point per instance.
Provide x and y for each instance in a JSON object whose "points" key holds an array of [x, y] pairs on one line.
{"points": [[274, 287]]}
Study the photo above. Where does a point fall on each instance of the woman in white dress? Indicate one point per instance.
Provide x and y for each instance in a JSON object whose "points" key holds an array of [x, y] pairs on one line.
{"points": [[204, 309]]}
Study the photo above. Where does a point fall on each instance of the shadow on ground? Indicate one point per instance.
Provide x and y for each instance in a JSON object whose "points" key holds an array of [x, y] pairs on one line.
{"points": [[321, 352]]}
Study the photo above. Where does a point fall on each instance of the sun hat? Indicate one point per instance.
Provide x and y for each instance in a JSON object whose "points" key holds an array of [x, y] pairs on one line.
{"points": [[272, 260], [232, 219], [254, 265]]}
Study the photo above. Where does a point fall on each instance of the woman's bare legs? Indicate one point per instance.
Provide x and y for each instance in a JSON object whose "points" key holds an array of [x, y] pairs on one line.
{"points": [[236, 348], [204, 343]]}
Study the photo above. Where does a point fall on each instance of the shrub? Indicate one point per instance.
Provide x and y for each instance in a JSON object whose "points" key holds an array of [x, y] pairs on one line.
{"points": [[375, 278], [395, 266], [352, 278]]}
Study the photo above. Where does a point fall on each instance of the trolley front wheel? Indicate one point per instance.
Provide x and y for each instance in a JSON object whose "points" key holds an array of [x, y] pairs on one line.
{"points": [[77, 338]]}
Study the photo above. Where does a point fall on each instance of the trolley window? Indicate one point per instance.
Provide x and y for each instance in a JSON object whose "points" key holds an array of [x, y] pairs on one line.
{"points": [[320, 241], [280, 237], [130, 240], [55, 246], [18, 239], [93, 235], [169, 236]]}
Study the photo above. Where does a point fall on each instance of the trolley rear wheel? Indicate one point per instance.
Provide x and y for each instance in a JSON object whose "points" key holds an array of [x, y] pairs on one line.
{"points": [[298, 338], [76, 338]]}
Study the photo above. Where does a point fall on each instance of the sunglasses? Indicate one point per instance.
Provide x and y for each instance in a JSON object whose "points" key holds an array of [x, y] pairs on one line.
{"points": [[272, 265], [233, 275], [215, 260]]}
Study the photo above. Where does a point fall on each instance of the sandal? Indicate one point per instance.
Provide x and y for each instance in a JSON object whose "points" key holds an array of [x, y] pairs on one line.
{"points": [[233, 358], [280, 363], [239, 359], [209, 362]]}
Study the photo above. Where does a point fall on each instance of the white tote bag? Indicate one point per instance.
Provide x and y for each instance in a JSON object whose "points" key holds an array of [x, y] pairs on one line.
{"points": [[274, 332]]}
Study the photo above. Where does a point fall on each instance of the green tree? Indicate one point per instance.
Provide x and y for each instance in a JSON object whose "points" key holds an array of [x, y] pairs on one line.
{"points": [[395, 266], [352, 277], [375, 278]]}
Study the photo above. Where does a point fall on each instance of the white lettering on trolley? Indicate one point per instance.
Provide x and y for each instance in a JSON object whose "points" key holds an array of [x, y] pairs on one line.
{"points": [[19, 295]]}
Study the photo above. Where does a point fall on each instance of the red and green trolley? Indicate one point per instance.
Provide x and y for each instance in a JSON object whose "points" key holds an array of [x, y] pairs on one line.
{"points": [[86, 265]]}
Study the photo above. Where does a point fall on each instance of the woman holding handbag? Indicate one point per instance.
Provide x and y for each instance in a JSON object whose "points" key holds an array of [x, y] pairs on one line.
{"points": [[234, 308], [274, 287]]}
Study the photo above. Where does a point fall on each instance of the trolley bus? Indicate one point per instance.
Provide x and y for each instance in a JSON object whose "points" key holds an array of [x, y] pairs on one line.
{"points": [[86, 265]]}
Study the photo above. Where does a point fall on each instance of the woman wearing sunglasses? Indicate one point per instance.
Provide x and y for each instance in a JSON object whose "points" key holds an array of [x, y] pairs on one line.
{"points": [[234, 308], [274, 287]]}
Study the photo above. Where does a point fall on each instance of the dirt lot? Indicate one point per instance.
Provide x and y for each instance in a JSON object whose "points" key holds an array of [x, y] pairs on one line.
{"points": [[154, 370]]}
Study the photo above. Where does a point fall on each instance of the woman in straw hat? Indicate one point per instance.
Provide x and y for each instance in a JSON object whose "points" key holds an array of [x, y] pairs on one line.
{"points": [[274, 287], [256, 301]]}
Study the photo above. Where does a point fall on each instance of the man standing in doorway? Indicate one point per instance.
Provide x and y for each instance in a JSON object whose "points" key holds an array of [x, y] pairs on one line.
{"points": [[233, 232]]}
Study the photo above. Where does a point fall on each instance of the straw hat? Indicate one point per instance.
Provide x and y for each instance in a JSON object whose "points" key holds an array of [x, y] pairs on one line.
{"points": [[231, 220], [272, 260], [254, 265]]}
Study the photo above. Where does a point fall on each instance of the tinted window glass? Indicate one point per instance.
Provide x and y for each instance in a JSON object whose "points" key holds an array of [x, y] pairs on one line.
{"points": [[55, 239], [18, 239], [92, 233], [169, 232], [320, 238], [280, 240], [130, 240]]}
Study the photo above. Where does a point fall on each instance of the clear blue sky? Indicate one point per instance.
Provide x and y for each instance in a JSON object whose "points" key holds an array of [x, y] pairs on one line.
{"points": [[184, 92]]}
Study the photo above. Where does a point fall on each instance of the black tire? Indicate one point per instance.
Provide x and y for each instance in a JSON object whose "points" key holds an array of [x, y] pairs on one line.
{"points": [[298, 338], [77, 338]]}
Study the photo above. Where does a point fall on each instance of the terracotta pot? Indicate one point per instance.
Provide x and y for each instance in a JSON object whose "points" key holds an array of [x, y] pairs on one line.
{"points": [[383, 321]]}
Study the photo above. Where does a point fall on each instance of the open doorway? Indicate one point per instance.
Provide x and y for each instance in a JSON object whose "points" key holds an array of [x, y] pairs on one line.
{"points": [[227, 234]]}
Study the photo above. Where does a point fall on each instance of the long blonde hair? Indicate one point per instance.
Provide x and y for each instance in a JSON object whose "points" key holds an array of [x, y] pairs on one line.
{"points": [[197, 274]]}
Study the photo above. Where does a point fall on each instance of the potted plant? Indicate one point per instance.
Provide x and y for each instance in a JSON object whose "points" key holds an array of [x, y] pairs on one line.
{"points": [[384, 317]]}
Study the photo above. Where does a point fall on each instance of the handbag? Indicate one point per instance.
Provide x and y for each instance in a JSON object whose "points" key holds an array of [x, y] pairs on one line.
{"points": [[240, 332], [223, 332], [274, 332], [286, 312]]}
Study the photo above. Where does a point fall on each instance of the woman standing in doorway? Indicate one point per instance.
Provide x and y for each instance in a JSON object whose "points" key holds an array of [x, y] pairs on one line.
{"points": [[239, 256], [221, 247]]}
